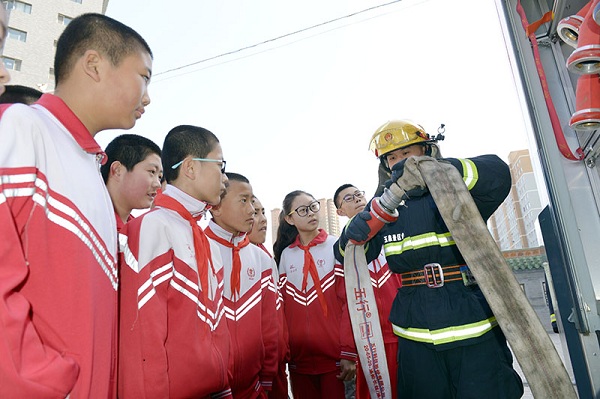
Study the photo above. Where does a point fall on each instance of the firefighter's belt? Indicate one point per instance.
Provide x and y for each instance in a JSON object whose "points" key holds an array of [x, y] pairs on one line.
{"points": [[432, 275]]}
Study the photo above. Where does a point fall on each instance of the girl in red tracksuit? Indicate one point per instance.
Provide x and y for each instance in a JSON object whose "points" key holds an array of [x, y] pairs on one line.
{"points": [[322, 349]]}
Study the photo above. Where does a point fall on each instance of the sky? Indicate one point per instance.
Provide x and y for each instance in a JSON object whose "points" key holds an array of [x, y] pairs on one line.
{"points": [[294, 100]]}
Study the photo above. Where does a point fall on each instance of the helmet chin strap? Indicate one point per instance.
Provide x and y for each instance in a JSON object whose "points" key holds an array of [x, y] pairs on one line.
{"points": [[384, 162]]}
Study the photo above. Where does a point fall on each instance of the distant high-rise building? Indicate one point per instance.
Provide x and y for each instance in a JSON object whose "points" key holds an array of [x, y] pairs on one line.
{"points": [[33, 30], [513, 225], [328, 218]]}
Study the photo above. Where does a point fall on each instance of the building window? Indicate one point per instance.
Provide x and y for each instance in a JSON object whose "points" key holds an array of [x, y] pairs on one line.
{"points": [[17, 5], [12, 63], [17, 34], [64, 20]]}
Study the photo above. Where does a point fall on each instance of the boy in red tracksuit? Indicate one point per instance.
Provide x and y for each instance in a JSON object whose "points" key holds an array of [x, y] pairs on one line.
{"points": [[132, 174], [322, 348], [58, 251], [174, 338], [258, 236], [349, 201], [249, 293]]}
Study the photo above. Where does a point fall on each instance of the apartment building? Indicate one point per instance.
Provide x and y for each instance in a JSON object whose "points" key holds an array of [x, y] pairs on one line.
{"points": [[33, 30], [514, 224]]}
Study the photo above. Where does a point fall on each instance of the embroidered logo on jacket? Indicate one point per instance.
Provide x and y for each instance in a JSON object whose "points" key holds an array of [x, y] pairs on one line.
{"points": [[251, 273]]}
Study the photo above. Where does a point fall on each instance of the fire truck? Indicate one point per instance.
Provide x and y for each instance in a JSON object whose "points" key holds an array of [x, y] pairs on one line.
{"points": [[554, 48]]}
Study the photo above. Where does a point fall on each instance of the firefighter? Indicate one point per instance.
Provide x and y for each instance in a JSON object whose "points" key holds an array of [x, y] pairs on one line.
{"points": [[449, 342]]}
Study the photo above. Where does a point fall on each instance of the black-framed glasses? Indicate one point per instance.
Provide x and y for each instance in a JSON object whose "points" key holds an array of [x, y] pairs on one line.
{"points": [[302, 210], [222, 161], [350, 197]]}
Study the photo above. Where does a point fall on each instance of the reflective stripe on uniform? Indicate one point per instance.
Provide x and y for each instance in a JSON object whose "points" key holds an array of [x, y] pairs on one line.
{"points": [[448, 334], [416, 242], [470, 174]]}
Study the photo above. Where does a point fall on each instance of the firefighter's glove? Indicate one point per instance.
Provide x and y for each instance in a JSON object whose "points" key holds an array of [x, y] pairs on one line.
{"points": [[397, 173], [398, 170], [358, 229]]}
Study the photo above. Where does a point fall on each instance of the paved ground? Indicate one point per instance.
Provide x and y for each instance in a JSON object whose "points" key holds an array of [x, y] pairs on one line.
{"points": [[556, 340]]}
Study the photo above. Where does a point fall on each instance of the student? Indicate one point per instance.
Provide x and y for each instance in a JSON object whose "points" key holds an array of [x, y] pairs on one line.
{"points": [[132, 174], [174, 340], [322, 349], [349, 201], [19, 94], [258, 236], [58, 279], [449, 342], [249, 293]]}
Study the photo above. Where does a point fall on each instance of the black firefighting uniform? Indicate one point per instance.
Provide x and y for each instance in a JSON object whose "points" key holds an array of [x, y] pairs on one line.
{"points": [[450, 345]]}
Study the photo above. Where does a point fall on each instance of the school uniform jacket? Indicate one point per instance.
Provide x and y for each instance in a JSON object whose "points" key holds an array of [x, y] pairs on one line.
{"points": [[58, 272], [317, 342], [251, 316], [173, 342], [283, 347], [454, 314]]}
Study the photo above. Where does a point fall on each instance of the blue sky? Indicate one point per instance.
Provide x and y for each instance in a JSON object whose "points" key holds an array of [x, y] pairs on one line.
{"points": [[298, 112]]}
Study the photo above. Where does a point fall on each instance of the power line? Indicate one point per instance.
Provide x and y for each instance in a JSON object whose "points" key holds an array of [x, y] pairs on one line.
{"points": [[275, 38]]}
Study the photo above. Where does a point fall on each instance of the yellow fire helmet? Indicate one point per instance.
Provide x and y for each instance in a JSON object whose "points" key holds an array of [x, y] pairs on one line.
{"points": [[396, 134]]}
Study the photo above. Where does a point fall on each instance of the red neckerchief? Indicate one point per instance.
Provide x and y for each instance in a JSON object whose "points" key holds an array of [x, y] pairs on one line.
{"points": [[201, 244], [310, 267], [236, 264]]}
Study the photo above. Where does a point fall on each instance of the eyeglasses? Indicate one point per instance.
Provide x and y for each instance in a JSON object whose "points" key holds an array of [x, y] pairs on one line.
{"points": [[222, 161], [302, 211], [350, 197]]}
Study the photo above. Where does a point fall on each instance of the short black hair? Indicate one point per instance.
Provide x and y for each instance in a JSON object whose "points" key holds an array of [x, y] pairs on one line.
{"points": [[19, 94], [92, 31], [184, 140], [231, 176], [129, 149], [338, 191]]}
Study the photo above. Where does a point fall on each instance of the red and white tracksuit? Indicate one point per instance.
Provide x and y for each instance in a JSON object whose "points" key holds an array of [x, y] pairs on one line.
{"points": [[280, 383], [58, 272], [174, 341], [317, 341], [251, 315]]}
